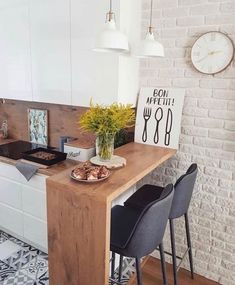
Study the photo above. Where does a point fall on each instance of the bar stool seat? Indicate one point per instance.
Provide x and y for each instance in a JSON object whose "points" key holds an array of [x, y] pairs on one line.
{"points": [[182, 197], [123, 224], [143, 196], [136, 232]]}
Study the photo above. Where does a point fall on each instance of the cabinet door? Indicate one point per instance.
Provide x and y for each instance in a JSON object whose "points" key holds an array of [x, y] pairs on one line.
{"points": [[11, 220], [10, 172], [34, 202], [10, 193], [15, 66], [38, 182], [94, 75], [50, 43], [35, 231]]}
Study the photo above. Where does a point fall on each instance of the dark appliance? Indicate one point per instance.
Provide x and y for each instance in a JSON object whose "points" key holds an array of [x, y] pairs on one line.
{"points": [[14, 150], [42, 156]]}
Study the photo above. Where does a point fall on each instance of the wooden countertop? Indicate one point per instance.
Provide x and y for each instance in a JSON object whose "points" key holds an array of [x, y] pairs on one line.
{"points": [[4, 141], [141, 160], [53, 170]]}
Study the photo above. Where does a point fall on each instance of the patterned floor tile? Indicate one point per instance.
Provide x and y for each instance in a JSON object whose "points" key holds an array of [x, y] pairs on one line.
{"points": [[7, 248], [24, 264], [3, 237], [35, 268], [43, 279], [5, 271], [33, 251], [20, 258], [128, 267], [19, 279], [127, 271], [24, 245]]}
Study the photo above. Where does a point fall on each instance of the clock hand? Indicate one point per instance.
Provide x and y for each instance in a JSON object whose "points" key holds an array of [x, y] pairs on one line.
{"points": [[215, 52], [209, 54], [203, 58]]}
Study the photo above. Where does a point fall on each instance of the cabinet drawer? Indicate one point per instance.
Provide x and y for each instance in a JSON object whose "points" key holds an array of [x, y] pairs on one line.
{"points": [[11, 219], [10, 171], [37, 181], [10, 193], [35, 230], [34, 202]]}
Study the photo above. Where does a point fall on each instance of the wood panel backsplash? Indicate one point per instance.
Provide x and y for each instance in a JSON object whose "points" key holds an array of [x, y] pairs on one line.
{"points": [[62, 120]]}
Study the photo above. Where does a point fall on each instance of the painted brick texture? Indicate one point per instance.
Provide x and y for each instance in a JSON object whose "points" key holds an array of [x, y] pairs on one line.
{"points": [[208, 129]]}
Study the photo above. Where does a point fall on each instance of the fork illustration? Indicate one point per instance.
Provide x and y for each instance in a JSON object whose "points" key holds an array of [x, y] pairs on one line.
{"points": [[146, 114]]}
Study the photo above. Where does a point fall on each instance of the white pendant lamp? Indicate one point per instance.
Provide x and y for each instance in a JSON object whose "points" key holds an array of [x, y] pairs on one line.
{"points": [[111, 39], [149, 47]]}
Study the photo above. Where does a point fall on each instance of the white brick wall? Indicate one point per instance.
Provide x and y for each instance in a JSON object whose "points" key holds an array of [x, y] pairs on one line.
{"points": [[208, 129]]}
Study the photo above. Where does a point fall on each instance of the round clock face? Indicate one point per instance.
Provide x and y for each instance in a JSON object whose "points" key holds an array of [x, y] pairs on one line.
{"points": [[212, 52]]}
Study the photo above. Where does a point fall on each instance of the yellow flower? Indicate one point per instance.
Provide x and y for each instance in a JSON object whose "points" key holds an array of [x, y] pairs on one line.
{"points": [[101, 119]]}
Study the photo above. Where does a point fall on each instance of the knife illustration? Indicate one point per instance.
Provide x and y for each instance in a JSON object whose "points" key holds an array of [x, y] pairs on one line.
{"points": [[169, 121]]}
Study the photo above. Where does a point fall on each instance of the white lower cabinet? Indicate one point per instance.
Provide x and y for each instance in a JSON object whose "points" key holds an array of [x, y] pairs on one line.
{"points": [[35, 230], [11, 219], [23, 211], [34, 203], [10, 193]]}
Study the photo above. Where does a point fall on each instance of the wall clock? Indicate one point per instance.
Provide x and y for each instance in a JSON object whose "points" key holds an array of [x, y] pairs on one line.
{"points": [[212, 52]]}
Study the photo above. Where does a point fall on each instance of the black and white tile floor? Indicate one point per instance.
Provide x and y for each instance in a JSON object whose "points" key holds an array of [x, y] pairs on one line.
{"points": [[22, 264], [128, 270]]}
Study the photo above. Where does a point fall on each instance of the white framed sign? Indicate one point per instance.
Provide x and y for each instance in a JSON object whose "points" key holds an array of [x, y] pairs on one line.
{"points": [[159, 114]]}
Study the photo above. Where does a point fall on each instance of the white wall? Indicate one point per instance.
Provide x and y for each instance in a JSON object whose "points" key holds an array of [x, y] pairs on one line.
{"points": [[208, 128]]}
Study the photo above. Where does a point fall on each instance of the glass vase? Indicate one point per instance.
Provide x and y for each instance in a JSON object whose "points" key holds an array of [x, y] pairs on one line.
{"points": [[105, 146]]}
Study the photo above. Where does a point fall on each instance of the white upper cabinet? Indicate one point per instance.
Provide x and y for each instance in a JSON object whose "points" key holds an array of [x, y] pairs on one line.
{"points": [[103, 77], [15, 66], [50, 49], [46, 52]]}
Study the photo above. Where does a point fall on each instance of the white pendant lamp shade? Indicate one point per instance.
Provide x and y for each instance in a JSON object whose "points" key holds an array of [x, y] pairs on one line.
{"points": [[149, 47], [111, 39]]}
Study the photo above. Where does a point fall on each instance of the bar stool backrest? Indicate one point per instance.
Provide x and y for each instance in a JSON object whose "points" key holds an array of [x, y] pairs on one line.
{"points": [[149, 231], [183, 192]]}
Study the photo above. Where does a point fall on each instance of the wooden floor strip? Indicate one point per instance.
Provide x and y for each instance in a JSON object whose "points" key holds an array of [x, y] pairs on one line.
{"points": [[151, 268]]}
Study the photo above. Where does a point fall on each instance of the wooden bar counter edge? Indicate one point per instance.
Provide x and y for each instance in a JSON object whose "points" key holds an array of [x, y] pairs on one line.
{"points": [[79, 216]]}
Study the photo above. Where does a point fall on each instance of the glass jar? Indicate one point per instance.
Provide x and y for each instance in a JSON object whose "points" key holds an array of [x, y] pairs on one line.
{"points": [[105, 146]]}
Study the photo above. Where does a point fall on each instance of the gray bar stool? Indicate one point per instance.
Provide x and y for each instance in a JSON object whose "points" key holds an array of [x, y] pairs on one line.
{"points": [[182, 197], [136, 232]]}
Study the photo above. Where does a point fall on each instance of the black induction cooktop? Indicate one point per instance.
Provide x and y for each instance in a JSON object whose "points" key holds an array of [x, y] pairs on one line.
{"points": [[15, 149]]}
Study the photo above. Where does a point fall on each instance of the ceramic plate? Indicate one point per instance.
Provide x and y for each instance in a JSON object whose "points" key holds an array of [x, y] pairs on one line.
{"points": [[89, 181]]}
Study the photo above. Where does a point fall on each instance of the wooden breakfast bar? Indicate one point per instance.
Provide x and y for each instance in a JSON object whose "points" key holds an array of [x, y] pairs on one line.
{"points": [[79, 216]]}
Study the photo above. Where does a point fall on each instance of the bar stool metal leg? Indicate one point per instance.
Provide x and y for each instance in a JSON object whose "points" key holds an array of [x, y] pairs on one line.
{"points": [[138, 271], [120, 268], [163, 264], [189, 245], [112, 267], [172, 233]]}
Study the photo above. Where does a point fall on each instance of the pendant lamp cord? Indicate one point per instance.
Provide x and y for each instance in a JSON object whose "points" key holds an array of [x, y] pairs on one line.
{"points": [[110, 14], [151, 18], [111, 6]]}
